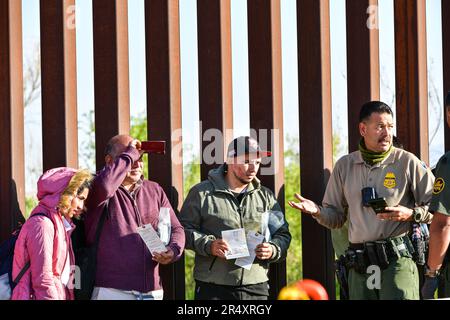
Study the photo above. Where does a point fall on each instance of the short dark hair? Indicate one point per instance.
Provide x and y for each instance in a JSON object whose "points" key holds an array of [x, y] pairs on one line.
{"points": [[447, 100], [373, 106]]}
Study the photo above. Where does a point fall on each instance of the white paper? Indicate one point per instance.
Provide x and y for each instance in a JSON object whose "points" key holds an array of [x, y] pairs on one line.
{"points": [[253, 240], [237, 243], [151, 239], [164, 225]]}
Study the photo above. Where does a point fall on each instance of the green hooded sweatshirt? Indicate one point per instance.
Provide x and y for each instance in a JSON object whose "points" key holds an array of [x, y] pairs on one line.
{"points": [[211, 208]]}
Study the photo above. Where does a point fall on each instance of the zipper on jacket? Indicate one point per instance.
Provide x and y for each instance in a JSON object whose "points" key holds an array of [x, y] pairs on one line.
{"points": [[242, 226], [138, 214], [239, 210], [212, 263]]}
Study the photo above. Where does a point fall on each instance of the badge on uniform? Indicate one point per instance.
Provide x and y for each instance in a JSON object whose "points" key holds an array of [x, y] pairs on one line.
{"points": [[389, 180], [439, 185]]}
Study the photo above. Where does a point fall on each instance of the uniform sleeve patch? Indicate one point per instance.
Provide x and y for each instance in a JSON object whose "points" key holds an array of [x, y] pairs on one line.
{"points": [[439, 185]]}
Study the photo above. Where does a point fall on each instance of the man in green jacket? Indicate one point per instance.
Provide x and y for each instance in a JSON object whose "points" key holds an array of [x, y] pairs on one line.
{"points": [[233, 198]]}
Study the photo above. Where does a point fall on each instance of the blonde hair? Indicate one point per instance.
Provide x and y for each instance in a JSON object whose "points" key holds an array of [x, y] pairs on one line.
{"points": [[80, 180]]}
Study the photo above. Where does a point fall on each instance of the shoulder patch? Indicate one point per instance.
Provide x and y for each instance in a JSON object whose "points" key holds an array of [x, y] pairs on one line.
{"points": [[390, 180], [439, 185]]}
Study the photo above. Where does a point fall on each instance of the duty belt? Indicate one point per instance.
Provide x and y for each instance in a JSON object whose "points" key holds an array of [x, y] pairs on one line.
{"points": [[361, 255]]}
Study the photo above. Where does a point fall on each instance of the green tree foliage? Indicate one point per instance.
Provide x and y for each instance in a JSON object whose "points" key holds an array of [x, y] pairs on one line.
{"points": [[30, 204], [138, 131], [292, 185], [191, 176], [87, 151]]}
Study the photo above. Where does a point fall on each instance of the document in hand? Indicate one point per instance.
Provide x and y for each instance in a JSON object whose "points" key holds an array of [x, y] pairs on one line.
{"points": [[253, 240], [237, 242], [151, 239]]}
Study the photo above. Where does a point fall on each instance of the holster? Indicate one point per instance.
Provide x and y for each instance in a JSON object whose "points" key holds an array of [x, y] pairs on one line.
{"points": [[383, 259], [356, 259], [379, 253]]}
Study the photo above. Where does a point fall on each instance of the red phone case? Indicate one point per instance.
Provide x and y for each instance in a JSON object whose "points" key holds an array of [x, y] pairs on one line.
{"points": [[158, 147]]}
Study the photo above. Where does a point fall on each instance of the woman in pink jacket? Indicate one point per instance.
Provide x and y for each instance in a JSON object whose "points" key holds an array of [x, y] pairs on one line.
{"points": [[44, 241]]}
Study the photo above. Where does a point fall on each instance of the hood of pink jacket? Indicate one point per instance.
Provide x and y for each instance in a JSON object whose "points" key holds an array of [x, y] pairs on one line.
{"points": [[51, 185]]}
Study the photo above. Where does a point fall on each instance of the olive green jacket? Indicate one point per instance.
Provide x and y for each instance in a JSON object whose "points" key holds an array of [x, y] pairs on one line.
{"points": [[211, 208]]}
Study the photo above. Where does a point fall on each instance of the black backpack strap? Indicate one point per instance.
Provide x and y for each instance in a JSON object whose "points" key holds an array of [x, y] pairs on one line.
{"points": [[22, 272], [28, 264]]}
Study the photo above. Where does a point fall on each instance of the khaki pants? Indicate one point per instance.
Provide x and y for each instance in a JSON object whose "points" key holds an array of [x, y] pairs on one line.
{"points": [[399, 281]]}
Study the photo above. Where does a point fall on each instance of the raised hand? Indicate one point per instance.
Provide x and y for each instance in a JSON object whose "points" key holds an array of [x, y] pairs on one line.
{"points": [[305, 205]]}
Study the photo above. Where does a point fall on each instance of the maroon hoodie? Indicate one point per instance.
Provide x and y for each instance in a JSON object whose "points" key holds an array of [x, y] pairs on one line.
{"points": [[124, 262]]}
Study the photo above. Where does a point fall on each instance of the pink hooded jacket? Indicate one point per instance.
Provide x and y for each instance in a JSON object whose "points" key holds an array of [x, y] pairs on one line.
{"points": [[38, 243]]}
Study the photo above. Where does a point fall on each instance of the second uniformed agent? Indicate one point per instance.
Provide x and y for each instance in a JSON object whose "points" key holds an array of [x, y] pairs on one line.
{"points": [[439, 230], [377, 241]]}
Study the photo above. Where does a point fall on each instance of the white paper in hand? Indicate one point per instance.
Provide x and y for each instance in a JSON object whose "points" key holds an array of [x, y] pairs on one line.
{"points": [[253, 239], [237, 243], [164, 225], [151, 239]]}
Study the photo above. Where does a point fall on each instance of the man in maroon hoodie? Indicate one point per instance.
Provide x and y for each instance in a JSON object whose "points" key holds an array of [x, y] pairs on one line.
{"points": [[126, 270]]}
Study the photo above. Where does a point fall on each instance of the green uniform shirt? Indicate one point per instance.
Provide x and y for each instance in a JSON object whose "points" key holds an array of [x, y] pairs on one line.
{"points": [[440, 201], [401, 178]]}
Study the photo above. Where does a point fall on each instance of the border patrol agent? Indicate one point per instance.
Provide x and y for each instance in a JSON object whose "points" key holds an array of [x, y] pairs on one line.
{"points": [[439, 231], [380, 251]]}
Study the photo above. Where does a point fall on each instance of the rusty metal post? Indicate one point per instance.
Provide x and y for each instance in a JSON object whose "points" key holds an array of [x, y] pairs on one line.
{"points": [[59, 84], [266, 105], [12, 168], [164, 116], [363, 63], [445, 8], [215, 78], [111, 72], [313, 30], [411, 76]]}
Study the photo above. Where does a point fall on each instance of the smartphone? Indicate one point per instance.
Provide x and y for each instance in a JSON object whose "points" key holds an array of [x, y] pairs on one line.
{"points": [[158, 147], [378, 205]]}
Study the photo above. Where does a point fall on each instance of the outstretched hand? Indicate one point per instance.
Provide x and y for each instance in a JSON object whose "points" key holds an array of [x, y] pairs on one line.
{"points": [[305, 205]]}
